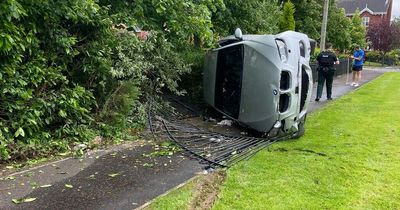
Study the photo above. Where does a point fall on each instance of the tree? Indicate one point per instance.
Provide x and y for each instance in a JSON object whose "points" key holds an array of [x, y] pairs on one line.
{"points": [[286, 21], [308, 17], [383, 37], [181, 21], [338, 32], [357, 31], [396, 25], [252, 16]]}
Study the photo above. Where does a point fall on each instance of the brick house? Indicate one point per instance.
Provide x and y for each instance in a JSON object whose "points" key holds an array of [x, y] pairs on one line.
{"points": [[371, 11]]}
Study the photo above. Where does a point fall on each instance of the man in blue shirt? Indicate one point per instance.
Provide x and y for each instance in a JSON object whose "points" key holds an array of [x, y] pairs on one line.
{"points": [[358, 57]]}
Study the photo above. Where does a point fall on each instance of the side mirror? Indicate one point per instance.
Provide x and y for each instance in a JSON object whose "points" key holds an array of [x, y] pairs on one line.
{"points": [[313, 43], [238, 34]]}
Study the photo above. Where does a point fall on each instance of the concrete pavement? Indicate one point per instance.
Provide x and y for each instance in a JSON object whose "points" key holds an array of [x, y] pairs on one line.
{"points": [[123, 177]]}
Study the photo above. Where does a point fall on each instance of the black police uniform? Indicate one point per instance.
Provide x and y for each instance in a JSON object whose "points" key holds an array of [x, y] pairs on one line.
{"points": [[326, 71]]}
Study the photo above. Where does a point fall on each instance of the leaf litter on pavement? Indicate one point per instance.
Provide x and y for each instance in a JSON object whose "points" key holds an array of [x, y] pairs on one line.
{"points": [[114, 175], [68, 185], [23, 200]]}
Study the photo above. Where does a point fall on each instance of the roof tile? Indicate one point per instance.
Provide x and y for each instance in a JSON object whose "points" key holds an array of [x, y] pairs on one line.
{"points": [[376, 6]]}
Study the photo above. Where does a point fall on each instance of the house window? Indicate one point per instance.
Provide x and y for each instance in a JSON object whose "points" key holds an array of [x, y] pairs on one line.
{"points": [[365, 21]]}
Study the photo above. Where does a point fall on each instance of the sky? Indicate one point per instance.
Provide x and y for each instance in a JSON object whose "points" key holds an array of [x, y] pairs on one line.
{"points": [[396, 9]]}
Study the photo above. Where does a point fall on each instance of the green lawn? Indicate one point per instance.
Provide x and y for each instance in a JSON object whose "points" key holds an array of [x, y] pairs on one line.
{"points": [[178, 199], [374, 64], [349, 158]]}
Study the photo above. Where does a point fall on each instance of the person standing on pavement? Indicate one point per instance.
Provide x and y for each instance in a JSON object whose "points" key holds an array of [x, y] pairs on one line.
{"points": [[326, 70], [358, 63]]}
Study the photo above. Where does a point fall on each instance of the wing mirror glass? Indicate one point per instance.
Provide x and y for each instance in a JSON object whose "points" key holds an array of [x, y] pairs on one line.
{"points": [[238, 34]]}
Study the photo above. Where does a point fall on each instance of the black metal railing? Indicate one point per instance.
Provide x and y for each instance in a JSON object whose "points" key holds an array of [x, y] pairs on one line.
{"points": [[342, 68]]}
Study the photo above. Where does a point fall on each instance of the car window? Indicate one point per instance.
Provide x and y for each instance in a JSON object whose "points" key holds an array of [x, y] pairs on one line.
{"points": [[302, 49]]}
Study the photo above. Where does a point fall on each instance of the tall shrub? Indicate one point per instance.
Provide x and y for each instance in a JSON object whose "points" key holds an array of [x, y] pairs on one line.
{"points": [[286, 21], [252, 16], [339, 29], [358, 31], [54, 62], [307, 17]]}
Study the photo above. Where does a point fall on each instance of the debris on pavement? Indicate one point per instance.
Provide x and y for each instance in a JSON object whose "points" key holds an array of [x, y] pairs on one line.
{"points": [[226, 122]]}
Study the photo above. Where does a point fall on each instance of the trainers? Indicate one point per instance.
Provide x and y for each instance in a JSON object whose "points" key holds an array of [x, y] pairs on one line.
{"points": [[352, 84], [329, 98], [356, 85], [317, 99]]}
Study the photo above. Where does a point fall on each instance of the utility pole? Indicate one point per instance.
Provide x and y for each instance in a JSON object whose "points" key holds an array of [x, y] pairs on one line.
{"points": [[324, 23]]}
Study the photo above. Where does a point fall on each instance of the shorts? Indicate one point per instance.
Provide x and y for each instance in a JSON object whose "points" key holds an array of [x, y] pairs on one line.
{"points": [[357, 68]]}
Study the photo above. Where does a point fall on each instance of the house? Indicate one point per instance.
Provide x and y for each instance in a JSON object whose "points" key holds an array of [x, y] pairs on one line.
{"points": [[371, 11]]}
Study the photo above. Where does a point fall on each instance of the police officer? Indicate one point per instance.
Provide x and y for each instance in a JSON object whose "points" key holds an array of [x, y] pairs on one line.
{"points": [[326, 59]]}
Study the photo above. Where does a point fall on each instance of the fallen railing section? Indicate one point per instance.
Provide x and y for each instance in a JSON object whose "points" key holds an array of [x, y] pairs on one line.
{"points": [[213, 148]]}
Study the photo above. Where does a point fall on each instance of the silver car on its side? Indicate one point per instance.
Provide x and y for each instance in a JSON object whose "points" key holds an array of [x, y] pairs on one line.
{"points": [[263, 82]]}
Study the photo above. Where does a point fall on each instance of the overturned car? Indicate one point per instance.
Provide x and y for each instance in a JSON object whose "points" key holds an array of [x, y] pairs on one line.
{"points": [[263, 82]]}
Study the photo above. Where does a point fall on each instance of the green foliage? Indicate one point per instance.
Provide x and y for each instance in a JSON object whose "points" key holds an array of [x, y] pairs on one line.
{"points": [[168, 66], [140, 69], [308, 17], [120, 104], [175, 26], [193, 82], [252, 16], [338, 30], [181, 21], [395, 55], [62, 66], [51, 57], [129, 59], [396, 25], [166, 148], [391, 58], [342, 56], [127, 73], [286, 20], [374, 56], [314, 56], [357, 31]]}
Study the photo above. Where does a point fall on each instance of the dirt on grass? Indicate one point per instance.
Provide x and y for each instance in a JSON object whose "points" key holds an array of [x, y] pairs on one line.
{"points": [[206, 190]]}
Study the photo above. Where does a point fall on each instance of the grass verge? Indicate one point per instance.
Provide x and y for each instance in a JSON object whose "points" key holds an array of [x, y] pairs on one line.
{"points": [[199, 193], [349, 158], [374, 64]]}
